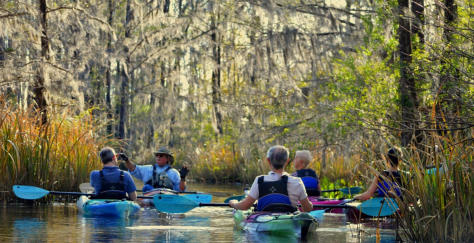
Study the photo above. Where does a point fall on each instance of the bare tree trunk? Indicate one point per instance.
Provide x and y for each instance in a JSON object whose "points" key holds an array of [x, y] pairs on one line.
{"points": [[216, 77], [124, 94], [39, 89], [408, 95], [417, 7], [108, 75]]}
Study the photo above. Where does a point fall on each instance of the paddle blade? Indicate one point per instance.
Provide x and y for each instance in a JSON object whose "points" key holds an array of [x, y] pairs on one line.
{"points": [[29, 192], [238, 198], [86, 188], [379, 207], [199, 197], [173, 203], [318, 214], [351, 190]]}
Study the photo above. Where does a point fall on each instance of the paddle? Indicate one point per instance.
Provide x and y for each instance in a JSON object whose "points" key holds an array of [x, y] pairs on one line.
{"points": [[346, 190], [178, 204], [196, 196], [168, 203], [86, 187], [33, 193]]}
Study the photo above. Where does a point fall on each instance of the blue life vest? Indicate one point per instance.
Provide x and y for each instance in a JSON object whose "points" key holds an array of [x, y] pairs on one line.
{"points": [[109, 190], [391, 182], [160, 180], [273, 196], [310, 181]]}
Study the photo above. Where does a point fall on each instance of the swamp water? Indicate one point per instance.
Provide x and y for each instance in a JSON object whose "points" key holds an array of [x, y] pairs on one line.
{"points": [[62, 223]]}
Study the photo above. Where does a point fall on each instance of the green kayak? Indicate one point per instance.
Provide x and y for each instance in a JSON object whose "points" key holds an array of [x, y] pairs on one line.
{"points": [[297, 223]]}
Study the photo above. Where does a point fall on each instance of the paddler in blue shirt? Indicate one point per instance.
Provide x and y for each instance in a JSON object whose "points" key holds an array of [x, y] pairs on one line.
{"points": [[159, 175], [277, 191], [308, 176], [111, 182], [388, 182]]}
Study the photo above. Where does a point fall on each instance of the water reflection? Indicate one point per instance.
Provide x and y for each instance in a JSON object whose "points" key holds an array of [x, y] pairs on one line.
{"points": [[104, 229], [26, 229]]}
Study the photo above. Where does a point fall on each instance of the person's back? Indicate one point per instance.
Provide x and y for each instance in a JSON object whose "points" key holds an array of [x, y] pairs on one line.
{"points": [[308, 176], [277, 191], [111, 182], [388, 183]]}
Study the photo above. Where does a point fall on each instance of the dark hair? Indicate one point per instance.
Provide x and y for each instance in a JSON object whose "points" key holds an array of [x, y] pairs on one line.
{"points": [[278, 155], [393, 156], [107, 154]]}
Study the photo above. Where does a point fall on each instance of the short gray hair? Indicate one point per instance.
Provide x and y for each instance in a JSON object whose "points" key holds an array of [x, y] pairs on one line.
{"points": [[107, 154], [305, 155], [278, 155]]}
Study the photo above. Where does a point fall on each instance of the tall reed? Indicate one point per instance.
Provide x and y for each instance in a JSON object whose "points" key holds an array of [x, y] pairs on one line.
{"points": [[437, 204], [56, 156]]}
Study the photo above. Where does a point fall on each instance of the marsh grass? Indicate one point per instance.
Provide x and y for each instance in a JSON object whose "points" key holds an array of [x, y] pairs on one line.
{"points": [[437, 204], [56, 156]]}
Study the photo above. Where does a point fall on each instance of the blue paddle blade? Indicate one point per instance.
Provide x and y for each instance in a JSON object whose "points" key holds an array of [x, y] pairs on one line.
{"points": [[29, 192], [379, 207], [199, 197], [238, 198], [351, 190], [318, 214], [173, 203]]}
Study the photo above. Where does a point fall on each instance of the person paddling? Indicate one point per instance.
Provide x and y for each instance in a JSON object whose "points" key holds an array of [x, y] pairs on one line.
{"points": [[388, 183], [277, 191], [308, 176], [111, 182], [159, 175]]}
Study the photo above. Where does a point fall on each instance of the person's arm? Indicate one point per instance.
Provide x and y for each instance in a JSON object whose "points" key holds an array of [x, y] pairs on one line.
{"points": [[244, 204], [132, 195], [370, 192], [306, 205], [130, 166], [182, 173]]}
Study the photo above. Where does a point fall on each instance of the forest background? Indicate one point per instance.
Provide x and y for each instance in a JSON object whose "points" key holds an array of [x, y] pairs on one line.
{"points": [[219, 82]]}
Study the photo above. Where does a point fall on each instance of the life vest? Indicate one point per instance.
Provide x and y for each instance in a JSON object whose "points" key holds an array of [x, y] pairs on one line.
{"points": [[273, 196], [109, 190], [390, 181], [310, 181], [160, 180]]}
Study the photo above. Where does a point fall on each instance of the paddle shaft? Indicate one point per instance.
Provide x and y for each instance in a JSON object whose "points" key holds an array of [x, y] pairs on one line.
{"points": [[213, 205], [85, 194]]}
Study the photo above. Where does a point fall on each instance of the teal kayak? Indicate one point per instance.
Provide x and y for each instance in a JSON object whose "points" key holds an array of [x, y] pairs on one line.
{"points": [[107, 207], [297, 223]]}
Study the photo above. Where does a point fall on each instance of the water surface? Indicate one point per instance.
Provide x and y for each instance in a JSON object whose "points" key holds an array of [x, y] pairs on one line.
{"points": [[62, 223]]}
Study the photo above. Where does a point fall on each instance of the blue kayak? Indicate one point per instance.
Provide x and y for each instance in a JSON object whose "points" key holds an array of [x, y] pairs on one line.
{"points": [[107, 207]]}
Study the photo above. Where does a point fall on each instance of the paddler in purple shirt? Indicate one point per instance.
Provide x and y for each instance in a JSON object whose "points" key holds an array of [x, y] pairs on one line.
{"points": [[111, 182]]}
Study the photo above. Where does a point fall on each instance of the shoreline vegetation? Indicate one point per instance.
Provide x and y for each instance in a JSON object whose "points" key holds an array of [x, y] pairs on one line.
{"points": [[437, 202]]}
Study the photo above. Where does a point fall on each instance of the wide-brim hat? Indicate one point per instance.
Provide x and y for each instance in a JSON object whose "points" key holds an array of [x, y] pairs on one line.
{"points": [[164, 150]]}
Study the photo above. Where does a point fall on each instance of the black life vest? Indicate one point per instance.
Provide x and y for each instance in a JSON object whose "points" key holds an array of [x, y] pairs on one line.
{"points": [[273, 196], [161, 180], [310, 181], [109, 190]]}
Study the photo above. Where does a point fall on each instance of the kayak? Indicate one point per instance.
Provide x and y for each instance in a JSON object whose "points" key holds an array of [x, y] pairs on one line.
{"points": [[149, 202], [107, 207], [297, 223], [319, 203], [198, 197]]}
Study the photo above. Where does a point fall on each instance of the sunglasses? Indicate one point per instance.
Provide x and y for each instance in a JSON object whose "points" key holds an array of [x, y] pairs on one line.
{"points": [[160, 155]]}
